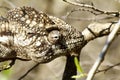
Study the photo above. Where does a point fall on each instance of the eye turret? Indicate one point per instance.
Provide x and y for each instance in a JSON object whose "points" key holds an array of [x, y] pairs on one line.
{"points": [[54, 36]]}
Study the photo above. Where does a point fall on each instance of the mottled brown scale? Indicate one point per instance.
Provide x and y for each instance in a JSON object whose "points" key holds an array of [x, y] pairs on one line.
{"points": [[34, 35]]}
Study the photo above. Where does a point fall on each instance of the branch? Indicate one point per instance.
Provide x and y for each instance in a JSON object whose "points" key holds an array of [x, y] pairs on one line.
{"points": [[100, 59], [99, 14], [92, 9], [95, 30], [105, 70]]}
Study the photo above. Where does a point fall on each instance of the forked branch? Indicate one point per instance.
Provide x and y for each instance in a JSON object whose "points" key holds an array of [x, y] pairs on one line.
{"points": [[92, 9], [102, 54]]}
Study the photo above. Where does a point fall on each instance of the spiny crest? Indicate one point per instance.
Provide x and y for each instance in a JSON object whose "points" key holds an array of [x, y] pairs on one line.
{"points": [[28, 16]]}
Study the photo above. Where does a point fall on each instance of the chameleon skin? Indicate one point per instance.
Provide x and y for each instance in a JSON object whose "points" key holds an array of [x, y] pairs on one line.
{"points": [[32, 35]]}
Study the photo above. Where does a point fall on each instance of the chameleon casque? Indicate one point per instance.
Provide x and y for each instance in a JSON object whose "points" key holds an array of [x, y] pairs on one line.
{"points": [[28, 34]]}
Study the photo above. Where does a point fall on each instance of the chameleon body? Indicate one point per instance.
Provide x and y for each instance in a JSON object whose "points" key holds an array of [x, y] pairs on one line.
{"points": [[28, 34]]}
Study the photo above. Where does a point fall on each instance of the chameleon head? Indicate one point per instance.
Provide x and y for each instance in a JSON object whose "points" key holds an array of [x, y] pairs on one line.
{"points": [[57, 42], [52, 46]]}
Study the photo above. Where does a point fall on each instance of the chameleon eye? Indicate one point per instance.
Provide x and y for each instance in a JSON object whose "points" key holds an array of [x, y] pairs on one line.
{"points": [[54, 36]]}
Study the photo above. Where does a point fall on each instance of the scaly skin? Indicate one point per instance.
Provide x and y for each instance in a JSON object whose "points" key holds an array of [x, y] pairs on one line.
{"points": [[31, 35]]}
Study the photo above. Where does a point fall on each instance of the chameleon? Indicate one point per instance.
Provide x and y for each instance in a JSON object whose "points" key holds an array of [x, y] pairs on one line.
{"points": [[28, 34]]}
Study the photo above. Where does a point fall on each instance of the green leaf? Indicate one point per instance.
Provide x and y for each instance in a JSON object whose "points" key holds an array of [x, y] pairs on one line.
{"points": [[5, 73], [79, 68]]}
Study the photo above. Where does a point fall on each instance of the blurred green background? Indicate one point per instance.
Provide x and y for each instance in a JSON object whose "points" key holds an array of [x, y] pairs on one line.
{"points": [[54, 69]]}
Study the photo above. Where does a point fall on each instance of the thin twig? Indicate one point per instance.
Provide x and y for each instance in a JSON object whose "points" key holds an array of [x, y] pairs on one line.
{"points": [[93, 9], [24, 75], [97, 14], [100, 59], [105, 70]]}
